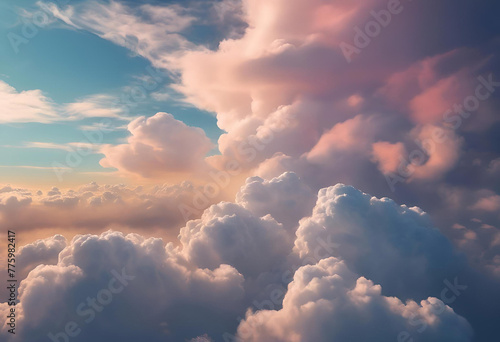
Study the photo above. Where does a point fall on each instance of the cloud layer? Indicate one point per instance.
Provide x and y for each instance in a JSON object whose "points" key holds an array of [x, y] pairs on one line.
{"points": [[358, 266]]}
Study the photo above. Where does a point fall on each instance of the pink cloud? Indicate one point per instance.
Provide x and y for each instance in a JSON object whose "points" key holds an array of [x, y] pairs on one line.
{"points": [[490, 203], [159, 145], [388, 156]]}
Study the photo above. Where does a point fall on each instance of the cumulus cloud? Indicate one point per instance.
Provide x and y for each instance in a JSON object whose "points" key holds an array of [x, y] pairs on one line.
{"points": [[283, 92], [288, 100], [14, 198], [286, 198], [327, 301], [28, 257], [44, 251], [159, 144], [51, 295], [379, 262], [395, 246], [230, 234]]}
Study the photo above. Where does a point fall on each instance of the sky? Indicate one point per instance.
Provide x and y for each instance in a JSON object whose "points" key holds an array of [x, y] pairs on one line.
{"points": [[251, 170]]}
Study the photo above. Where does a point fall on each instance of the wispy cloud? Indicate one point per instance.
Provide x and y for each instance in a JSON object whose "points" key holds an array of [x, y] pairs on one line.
{"points": [[70, 147], [29, 167], [25, 106], [35, 106], [153, 32], [99, 105]]}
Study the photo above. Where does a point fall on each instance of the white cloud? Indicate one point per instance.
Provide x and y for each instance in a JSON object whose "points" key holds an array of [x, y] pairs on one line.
{"points": [[237, 253], [25, 106], [394, 245], [286, 198], [159, 145], [45, 251], [35, 106], [328, 302], [230, 234], [99, 105], [153, 32], [51, 294], [69, 147]]}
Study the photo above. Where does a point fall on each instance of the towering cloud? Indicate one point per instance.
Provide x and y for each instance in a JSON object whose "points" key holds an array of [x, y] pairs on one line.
{"points": [[393, 245], [328, 302]]}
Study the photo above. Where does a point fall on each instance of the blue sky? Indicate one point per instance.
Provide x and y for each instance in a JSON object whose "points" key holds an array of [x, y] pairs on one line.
{"points": [[68, 65]]}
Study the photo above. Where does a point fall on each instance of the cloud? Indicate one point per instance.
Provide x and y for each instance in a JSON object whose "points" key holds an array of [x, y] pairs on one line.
{"points": [[28, 257], [159, 145], [44, 251], [354, 264], [51, 295], [488, 203], [25, 106], [94, 208], [69, 147], [153, 32], [353, 135], [98, 105], [286, 198], [388, 156], [12, 199], [395, 246], [437, 152], [203, 338], [288, 100], [442, 155], [229, 234], [281, 86], [35, 106], [327, 301]]}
